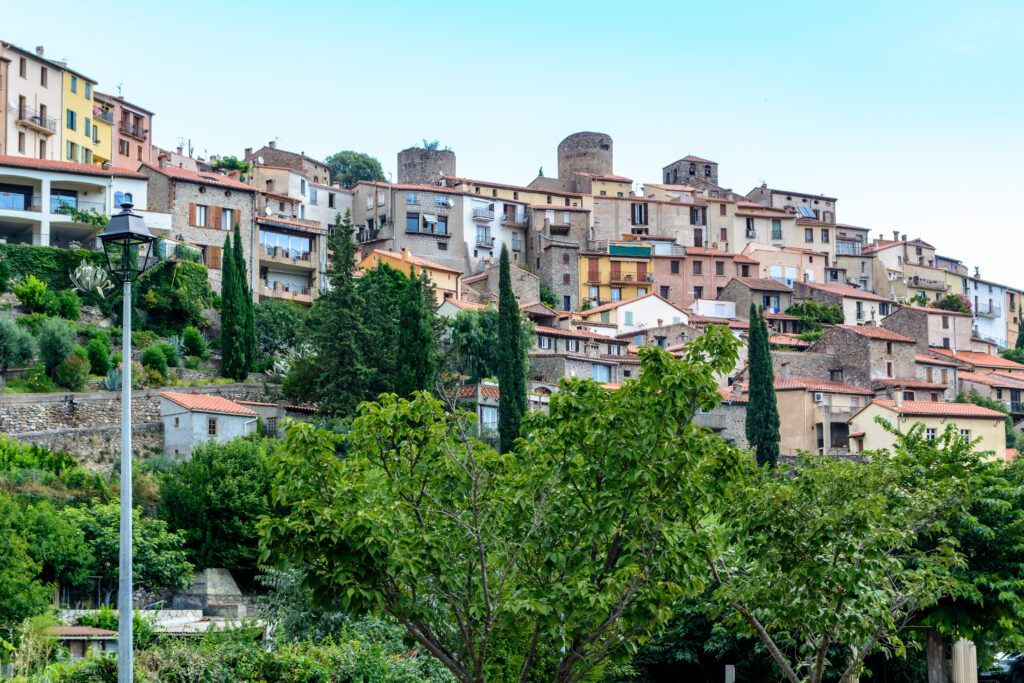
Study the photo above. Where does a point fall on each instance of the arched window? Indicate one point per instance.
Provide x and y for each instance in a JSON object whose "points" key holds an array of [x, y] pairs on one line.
{"points": [[707, 170], [693, 169], [666, 176]]}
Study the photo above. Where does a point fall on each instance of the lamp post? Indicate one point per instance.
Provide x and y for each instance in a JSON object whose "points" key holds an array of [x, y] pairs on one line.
{"points": [[127, 243]]}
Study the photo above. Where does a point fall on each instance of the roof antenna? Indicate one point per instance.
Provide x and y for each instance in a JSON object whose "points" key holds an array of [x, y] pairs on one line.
{"points": [[120, 87]]}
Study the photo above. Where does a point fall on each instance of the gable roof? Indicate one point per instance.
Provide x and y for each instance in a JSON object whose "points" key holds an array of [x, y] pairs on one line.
{"points": [[205, 403], [935, 311], [69, 167], [577, 334], [846, 291], [199, 177], [872, 332], [939, 409], [906, 383], [932, 360], [812, 384], [981, 360], [765, 284], [615, 304], [994, 379], [409, 258]]}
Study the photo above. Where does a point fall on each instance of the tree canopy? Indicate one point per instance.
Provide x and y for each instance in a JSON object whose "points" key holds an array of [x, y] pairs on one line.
{"points": [[348, 168]]}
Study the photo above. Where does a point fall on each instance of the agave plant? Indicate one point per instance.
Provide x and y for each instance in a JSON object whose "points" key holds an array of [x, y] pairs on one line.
{"points": [[177, 344], [112, 382], [88, 278]]}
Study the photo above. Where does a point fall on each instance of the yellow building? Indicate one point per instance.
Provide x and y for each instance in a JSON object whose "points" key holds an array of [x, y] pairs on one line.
{"points": [[88, 127], [622, 272], [447, 282], [974, 422]]}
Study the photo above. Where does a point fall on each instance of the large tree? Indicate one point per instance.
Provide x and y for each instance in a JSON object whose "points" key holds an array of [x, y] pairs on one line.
{"points": [[535, 567], [511, 370], [348, 168], [245, 301], [380, 296], [762, 425], [474, 347], [417, 347], [232, 316]]}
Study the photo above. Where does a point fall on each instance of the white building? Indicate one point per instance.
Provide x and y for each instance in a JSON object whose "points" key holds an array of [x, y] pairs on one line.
{"points": [[489, 224], [34, 92], [618, 317], [37, 195], [192, 419], [987, 301]]}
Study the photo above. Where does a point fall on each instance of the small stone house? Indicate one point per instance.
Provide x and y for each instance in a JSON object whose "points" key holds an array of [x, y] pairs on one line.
{"points": [[84, 641], [863, 354], [192, 419], [932, 327], [774, 296], [484, 285]]}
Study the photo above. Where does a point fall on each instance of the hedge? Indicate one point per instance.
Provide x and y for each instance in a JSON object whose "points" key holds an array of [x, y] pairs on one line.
{"points": [[49, 264]]}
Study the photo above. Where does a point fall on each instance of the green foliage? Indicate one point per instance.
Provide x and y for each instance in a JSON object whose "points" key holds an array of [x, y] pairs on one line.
{"points": [[72, 372], [548, 297], [762, 421], [511, 363], [98, 352], [417, 346], [215, 498], [33, 322], [143, 338], [35, 380], [154, 358], [89, 279], [49, 264], [812, 336], [107, 618], [248, 344], [279, 327], [581, 537], [1015, 354], [237, 326], [31, 292], [954, 302], [232, 163], [170, 353], [813, 313], [17, 348], [56, 340], [172, 296], [112, 380], [349, 167], [474, 345], [195, 343], [23, 595], [68, 305], [919, 299]]}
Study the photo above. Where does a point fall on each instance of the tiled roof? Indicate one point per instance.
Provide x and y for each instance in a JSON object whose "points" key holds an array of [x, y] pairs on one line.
{"points": [[200, 177], [981, 360], [712, 320], [932, 360], [935, 311], [69, 167], [615, 304], [995, 379], [812, 384], [466, 305], [780, 316], [80, 632], [727, 395], [579, 334], [555, 207], [788, 340], [690, 157], [409, 258], [297, 223], [940, 409], [906, 383], [205, 403], [872, 332], [765, 284], [411, 186], [605, 176], [847, 291], [486, 390]]}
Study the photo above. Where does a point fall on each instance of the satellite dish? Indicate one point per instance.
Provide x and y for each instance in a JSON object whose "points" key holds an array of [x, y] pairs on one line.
{"points": [[259, 160], [268, 211]]}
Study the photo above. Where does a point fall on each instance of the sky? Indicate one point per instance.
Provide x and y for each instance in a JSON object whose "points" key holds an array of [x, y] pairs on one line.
{"points": [[909, 112]]}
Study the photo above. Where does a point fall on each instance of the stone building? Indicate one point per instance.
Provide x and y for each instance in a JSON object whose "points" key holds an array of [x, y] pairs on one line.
{"points": [[484, 285], [932, 327], [683, 223], [859, 307], [557, 237], [585, 152], [204, 208], [316, 171], [447, 282], [576, 353], [774, 297], [696, 172], [864, 354], [420, 166]]}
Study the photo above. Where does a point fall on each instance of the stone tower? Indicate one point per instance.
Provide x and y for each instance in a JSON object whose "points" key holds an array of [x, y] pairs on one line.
{"points": [[584, 153], [420, 166]]}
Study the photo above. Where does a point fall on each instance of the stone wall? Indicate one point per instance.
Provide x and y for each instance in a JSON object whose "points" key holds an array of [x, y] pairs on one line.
{"points": [[421, 166], [805, 363], [584, 153], [98, 448]]}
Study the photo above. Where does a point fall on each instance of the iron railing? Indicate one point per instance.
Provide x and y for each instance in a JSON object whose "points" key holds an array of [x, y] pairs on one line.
{"points": [[36, 119]]}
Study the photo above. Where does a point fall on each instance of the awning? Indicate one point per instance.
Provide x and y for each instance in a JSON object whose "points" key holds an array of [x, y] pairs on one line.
{"points": [[429, 218]]}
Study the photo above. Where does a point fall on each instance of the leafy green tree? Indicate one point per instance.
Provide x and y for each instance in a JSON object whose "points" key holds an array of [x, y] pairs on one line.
{"points": [[17, 348], [474, 348], [214, 499], [417, 363], [349, 167], [511, 372], [23, 594], [245, 303], [56, 341], [541, 566], [1016, 354], [279, 327], [380, 295], [762, 423], [548, 296], [813, 313], [954, 302], [232, 163]]}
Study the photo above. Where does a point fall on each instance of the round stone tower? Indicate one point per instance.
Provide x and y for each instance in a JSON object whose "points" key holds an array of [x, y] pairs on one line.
{"points": [[425, 166], [584, 153]]}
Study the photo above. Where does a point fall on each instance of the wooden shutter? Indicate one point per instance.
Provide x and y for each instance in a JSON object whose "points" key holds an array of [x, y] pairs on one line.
{"points": [[213, 256], [593, 271], [641, 271], [214, 213], [191, 213], [616, 271]]}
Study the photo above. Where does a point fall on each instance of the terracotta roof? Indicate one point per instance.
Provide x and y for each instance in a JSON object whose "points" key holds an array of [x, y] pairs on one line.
{"points": [[712, 320], [80, 632], [935, 311], [200, 177], [690, 157], [581, 334], [906, 383], [465, 305], [292, 223], [605, 176], [727, 395], [981, 360], [205, 403], [872, 332], [743, 258], [615, 304], [556, 207], [932, 360], [847, 291], [409, 258], [940, 409], [812, 384], [69, 167], [788, 340], [486, 390], [994, 379], [522, 188], [765, 284], [1012, 454]]}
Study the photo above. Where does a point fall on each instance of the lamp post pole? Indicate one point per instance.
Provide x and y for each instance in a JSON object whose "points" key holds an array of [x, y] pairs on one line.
{"points": [[125, 652]]}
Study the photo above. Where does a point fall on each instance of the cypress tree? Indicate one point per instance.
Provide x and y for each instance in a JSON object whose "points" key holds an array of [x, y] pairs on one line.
{"points": [[511, 359], [762, 424], [247, 343], [1020, 332], [230, 325], [417, 367]]}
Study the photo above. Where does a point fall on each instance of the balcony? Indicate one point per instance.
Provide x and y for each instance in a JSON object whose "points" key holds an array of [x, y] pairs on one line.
{"points": [[989, 311], [625, 278], [513, 221], [847, 248], [288, 257], [557, 228], [926, 283], [286, 291], [426, 231], [1015, 407], [103, 115], [483, 215], [64, 205], [134, 131], [30, 118], [11, 201], [485, 241]]}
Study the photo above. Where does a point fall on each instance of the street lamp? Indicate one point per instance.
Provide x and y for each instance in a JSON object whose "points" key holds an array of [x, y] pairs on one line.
{"points": [[127, 243]]}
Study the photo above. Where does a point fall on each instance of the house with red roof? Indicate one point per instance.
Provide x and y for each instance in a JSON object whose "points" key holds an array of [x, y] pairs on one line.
{"points": [[639, 312], [859, 307], [192, 419]]}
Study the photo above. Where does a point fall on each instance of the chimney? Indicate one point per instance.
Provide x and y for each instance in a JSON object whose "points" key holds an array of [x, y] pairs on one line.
{"points": [[162, 160], [272, 144], [737, 390], [660, 322], [405, 253], [248, 152], [784, 370], [39, 50], [896, 235], [180, 149]]}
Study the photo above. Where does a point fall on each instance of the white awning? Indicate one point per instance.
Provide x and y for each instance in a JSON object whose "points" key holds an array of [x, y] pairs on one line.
{"points": [[429, 218]]}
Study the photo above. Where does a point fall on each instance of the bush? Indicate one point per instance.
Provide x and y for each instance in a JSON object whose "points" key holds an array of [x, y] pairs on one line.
{"points": [[154, 358], [31, 292], [49, 264], [56, 340], [69, 306], [192, 362], [112, 380], [174, 294], [17, 348], [33, 322], [72, 372], [143, 338], [151, 377], [195, 342], [98, 353], [170, 353]]}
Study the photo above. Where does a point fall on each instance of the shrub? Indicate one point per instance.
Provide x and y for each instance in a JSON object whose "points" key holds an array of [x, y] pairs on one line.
{"points": [[69, 306], [31, 292], [98, 354], [194, 342], [192, 362], [33, 322], [56, 339], [112, 381], [17, 348], [170, 353], [36, 380], [154, 358], [143, 338], [72, 372], [152, 377]]}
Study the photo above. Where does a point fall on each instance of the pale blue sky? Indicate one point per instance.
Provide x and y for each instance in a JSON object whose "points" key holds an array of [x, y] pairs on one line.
{"points": [[909, 112]]}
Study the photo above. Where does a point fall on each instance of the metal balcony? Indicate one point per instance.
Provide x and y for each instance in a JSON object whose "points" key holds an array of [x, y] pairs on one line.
{"points": [[12, 201], [103, 115], [40, 122], [134, 131], [485, 241], [64, 205], [483, 215], [990, 311], [513, 221]]}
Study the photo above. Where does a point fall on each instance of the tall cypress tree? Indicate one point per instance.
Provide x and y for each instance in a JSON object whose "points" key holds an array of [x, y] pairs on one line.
{"points": [[511, 361], [417, 365], [230, 322], [762, 425], [1020, 332], [247, 344]]}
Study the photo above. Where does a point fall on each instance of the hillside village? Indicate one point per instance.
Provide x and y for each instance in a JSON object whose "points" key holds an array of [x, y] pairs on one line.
{"points": [[864, 325]]}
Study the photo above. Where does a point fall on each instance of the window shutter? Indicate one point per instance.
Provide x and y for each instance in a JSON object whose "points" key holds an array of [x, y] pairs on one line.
{"points": [[216, 211], [213, 257], [191, 213]]}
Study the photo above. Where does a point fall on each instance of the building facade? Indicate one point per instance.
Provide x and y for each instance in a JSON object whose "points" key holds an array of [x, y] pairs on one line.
{"points": [[87, 125], [33, 93], [131, 130]]}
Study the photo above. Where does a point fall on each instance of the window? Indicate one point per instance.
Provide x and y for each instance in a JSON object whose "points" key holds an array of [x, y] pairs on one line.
{"points": [[572, 345], [412, 222], [74, 84], [888, 347], [824, 236], [312, 196], [616, 294], [593, 292], [330, 200], [751, 227], [638, 214], [698, 237], [698, 292], [302, 186], [42, 77], [859, 306], [601, 373], [544, 342], [908, 396], [723, 234], [641, 291], [23, 67], [566, 302], [744, 271], [721, 209], [442, 225], [698, 268], [441, 201], [565, 257], [719, 267], [202, 213], [696, 215], [605, 317], [211, 426], [302, 213], [929, 433], [888, 368], [835, 375], [808, 234], [122, 147], [944, 373], [71, 151], [966, 433], [999, 394], [692, 170], [674, 267], [565, 279], [177, 422], [227, 219], [88, 127], [663, 291], [776, 229], [72, 122], [935, 397], [88, 90], [707, 171], [928, 374]]}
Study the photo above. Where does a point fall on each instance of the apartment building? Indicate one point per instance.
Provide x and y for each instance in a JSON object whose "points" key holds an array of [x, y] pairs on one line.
{"points": [[808, 206], [817, 414], [33, 97], [991, 316], [753, 223], [314, 170], [683, 222], [87, 125], [39, 199], [623, 270], [791, 264], [698, 273], [446, 281], [204, 208], [132, 130], [576, 353], [772, 295]]}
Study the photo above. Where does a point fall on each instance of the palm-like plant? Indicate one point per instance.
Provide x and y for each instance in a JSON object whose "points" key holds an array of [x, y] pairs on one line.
{"points": [[88, 278]]}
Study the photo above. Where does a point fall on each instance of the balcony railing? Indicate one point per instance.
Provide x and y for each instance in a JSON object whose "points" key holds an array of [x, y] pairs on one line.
{"points": [[133, 130], [33, 118], [847, 248], [103, 115], [12, 201], [425, 231], [282, 253], [557, 228], [287, 289], [624, 278], [714, 421], [483, 215], [63, 205], [513, 221], [484, 241], [989, 311], [927, 283], [1015, 407]]}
